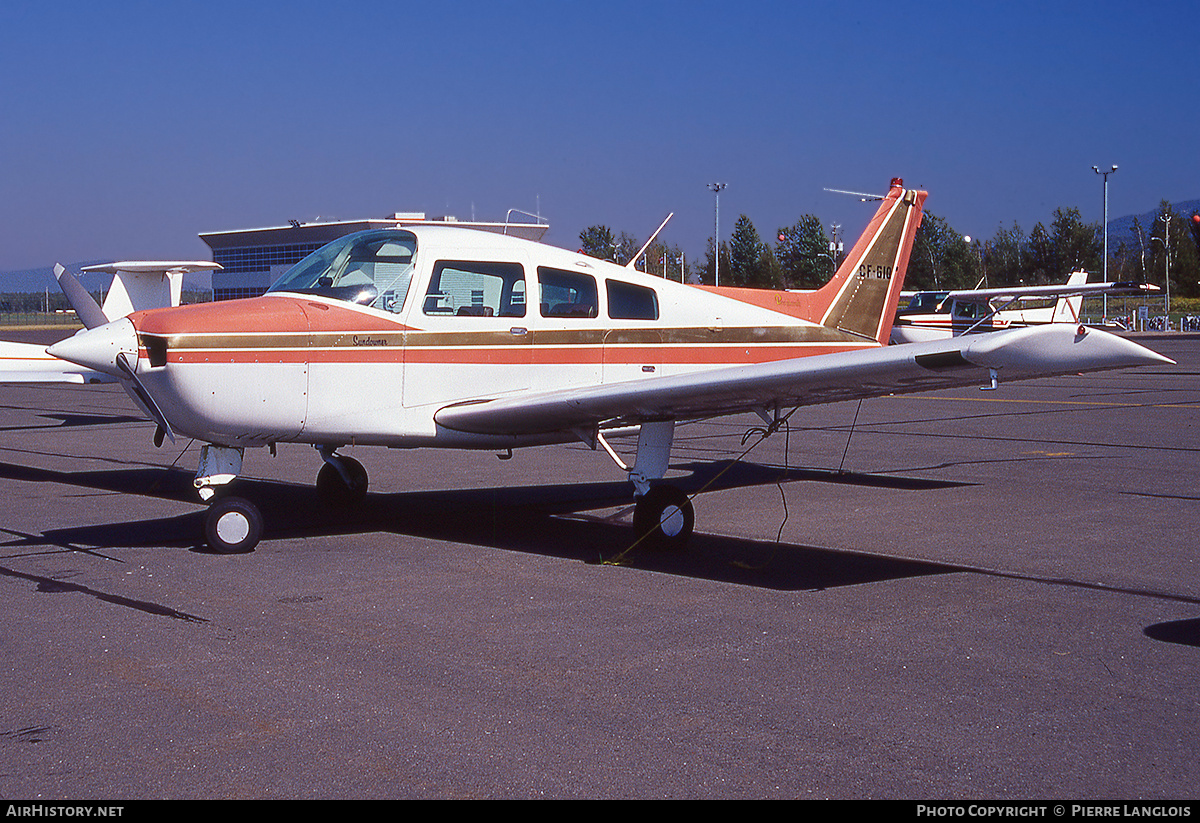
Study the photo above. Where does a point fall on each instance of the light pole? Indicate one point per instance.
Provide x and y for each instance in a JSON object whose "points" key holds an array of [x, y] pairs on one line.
{"points": [[716, 190], [1105, 175], [835, 245], [1166, 241]]}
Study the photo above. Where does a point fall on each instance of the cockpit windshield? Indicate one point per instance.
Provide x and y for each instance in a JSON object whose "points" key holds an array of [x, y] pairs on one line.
{"points": [[371, 268]]}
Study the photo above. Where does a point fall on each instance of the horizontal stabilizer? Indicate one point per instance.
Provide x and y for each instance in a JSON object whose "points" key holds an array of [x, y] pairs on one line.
{"points": [[145, 284]]}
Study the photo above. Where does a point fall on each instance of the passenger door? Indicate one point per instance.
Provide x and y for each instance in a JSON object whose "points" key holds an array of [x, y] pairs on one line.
{"points": [[470, 336]]}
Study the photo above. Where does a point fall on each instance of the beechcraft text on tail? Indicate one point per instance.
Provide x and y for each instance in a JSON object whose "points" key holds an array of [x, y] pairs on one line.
{"points": [[445, 337]]}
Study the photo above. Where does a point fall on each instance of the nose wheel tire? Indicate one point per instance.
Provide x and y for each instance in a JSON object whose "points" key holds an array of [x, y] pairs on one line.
{"points": [[233, 525], [333, 488], [664, 517]]}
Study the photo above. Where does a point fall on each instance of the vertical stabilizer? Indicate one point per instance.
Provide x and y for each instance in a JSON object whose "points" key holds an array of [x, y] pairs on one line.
{"points": [[1066, 310], [862, 297]]}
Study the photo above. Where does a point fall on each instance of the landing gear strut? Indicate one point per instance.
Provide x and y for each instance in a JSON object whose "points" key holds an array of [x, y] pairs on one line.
{"points": [[663, 516], [232, 525]]}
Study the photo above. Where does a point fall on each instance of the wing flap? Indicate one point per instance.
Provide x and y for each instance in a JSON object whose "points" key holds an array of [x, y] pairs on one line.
{"points": [[1020, 354]]}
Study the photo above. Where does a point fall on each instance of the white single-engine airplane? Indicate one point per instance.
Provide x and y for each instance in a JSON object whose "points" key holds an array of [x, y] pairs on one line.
{"points": [[435, 336], [933, 315]]}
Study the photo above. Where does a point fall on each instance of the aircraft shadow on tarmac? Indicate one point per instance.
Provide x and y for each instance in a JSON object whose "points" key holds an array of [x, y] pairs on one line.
{"points": [[61, 420], [550, 520], [1181, 632]]}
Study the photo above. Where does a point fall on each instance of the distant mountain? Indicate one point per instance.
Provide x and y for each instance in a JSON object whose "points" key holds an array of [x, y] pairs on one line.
{"points": [[1120, 229]]}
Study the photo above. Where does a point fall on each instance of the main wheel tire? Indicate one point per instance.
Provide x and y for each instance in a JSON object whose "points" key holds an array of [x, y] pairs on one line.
{"points": [[664, 517], [232, 525], [334, 490]]}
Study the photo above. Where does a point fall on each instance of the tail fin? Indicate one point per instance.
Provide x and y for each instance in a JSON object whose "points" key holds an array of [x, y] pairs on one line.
{"points": [[863, 295], [1066, 310]]}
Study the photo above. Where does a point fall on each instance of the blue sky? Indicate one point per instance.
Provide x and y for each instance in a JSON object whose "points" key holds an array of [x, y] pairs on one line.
{"points": [[127, 128]]}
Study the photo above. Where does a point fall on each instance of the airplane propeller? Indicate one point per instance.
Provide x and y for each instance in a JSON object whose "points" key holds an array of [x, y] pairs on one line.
{"points": [[146, 400], [86, 308]]}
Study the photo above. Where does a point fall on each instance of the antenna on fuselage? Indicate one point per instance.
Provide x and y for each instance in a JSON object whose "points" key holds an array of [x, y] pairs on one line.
{"points": [[632, 262]]}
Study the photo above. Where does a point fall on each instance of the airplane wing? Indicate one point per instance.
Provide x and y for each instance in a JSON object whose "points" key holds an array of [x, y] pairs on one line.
{"points": [[1053, 290], [1018, 354]]}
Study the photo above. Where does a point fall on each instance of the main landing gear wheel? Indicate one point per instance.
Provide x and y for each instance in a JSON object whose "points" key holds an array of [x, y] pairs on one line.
{"points": [[664, 517], [232, 525], [334, 488]]}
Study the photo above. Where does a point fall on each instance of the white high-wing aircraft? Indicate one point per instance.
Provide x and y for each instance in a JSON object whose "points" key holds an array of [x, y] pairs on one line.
{"points": [[932, 315], [136, 284], [435, 336]]}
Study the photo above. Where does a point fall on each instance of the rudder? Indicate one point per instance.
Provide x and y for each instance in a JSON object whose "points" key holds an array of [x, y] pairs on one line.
{"points": [[862, 297]]}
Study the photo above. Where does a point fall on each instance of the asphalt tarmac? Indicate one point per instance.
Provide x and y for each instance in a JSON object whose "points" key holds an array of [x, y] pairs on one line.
{"points": [[962, 595]]}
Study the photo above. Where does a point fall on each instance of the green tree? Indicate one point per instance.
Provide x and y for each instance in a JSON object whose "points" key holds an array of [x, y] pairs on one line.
{"points": [[745, 249], [1077, 245], [768, 272], [1003, 256], [627, 247], [1041, 262], [706, 272], [662, 260], [1172, 249], [597, 241], [802, 252], [941, 258]]}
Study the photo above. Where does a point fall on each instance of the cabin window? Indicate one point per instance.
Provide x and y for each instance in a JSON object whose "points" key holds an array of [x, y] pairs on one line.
{"points": [[472, 289], [925, 302], [567, 293], [967, 310], [629, 302], [370, 268]]}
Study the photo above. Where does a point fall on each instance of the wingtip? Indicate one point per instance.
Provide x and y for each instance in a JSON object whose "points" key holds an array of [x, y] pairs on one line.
{"points": [[1060, 348]]}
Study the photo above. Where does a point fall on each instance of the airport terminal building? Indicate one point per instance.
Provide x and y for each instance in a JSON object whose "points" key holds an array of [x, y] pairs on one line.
{"points": [[252, 259]]}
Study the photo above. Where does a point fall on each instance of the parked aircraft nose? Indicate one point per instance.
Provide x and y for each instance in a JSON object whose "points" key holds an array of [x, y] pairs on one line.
{"points": [[100, 347]]}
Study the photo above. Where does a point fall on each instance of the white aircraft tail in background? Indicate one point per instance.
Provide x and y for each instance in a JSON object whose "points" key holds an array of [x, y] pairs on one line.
{"points": [[136, 285]]}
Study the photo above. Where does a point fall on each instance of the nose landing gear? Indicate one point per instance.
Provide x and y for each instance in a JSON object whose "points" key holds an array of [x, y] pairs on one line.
{"points": [[232, 525]]}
